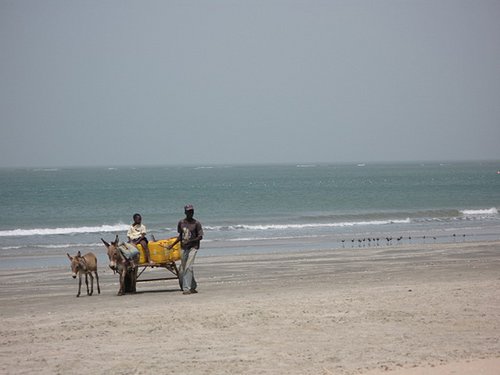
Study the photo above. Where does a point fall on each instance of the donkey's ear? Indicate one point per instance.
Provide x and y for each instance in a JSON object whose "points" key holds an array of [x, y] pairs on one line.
{"points": [[79, 254], [116, 240], [69, 256], [104, 242]]}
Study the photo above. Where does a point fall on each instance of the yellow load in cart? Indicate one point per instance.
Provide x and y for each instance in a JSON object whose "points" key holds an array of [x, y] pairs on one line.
{"points": [[159, 253]]}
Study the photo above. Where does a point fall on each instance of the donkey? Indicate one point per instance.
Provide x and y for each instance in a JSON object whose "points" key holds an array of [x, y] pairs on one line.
{"points": [[124, 262], [85, 265]]}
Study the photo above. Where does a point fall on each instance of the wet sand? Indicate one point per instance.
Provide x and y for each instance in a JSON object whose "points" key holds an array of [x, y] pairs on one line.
{"points": [[408, 309]]}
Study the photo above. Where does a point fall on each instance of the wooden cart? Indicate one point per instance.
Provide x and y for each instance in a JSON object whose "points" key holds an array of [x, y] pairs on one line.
{"points": [[170, 268], [162, 258]]}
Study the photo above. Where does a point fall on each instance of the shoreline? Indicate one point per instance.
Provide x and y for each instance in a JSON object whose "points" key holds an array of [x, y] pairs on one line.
{"points": [[46, 257], [394, 310]]}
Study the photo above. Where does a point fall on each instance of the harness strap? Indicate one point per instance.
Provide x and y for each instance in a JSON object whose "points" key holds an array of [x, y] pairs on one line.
{"points": [[126, 261]]}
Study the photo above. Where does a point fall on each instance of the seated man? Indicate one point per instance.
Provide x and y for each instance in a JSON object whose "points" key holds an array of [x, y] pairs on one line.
{"points": [[137, 235]]}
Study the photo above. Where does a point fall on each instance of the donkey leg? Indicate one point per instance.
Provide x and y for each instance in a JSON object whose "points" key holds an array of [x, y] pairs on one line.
{"points": [[91, 283], [122, 282], [131, 280], [87, 283], [132, 274], [97, 279], [128, 282], [79, 285]]}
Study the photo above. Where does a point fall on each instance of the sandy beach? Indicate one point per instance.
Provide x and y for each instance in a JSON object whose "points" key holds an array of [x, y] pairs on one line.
{"points": [[409, 309]]}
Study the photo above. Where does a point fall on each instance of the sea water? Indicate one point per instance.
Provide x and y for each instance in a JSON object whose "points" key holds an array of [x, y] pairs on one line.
{"points": [[244, 208]]}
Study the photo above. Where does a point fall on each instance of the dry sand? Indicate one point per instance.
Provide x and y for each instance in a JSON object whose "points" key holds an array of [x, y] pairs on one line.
{"points": [[421, 309]]}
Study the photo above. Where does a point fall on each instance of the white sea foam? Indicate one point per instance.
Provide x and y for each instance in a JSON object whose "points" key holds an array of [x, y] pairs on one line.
{"points": [[274, 238], [59, 246], [46, 170], [54, 231], [308, 225], [490, 211], [63, 246]]}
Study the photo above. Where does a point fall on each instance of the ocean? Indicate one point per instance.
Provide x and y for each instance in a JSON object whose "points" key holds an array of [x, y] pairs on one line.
{"points": [[243, 208]]}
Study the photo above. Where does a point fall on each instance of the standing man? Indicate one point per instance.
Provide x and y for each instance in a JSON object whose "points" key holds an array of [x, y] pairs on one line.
{"points": [[190, 235]]}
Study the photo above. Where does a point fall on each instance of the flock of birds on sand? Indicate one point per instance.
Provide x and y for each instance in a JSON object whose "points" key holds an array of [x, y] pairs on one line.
{"points": [[388, 241]]}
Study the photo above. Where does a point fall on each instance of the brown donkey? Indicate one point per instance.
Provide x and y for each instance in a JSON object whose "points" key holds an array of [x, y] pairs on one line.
{"points": [[123, 259], [85, 265]]}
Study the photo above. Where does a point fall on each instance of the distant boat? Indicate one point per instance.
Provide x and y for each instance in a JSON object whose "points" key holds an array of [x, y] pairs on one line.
{"points": [[361, 165], [498, 172]]}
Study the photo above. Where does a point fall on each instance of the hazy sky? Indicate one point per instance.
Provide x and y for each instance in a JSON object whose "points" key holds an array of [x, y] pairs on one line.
{"points": [[122, 82]]}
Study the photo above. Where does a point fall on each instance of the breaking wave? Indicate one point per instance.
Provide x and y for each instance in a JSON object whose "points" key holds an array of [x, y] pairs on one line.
{"points": [[56, 231], [304, 226], [484, 212]]}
